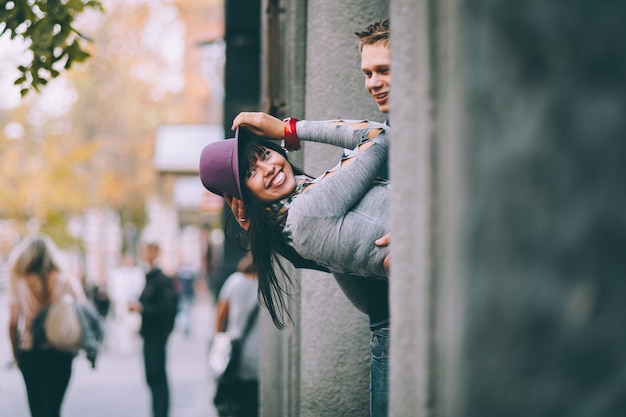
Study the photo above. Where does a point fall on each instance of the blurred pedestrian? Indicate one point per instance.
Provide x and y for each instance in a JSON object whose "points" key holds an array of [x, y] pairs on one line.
{"points": [[209, 267], [124, 284], [237, 314], [99, 296], [36, 281], [157, 305], [186, 277]]}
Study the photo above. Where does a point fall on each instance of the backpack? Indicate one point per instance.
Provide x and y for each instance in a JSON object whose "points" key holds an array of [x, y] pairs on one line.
{"points": [[62, 325], [68, 325]]}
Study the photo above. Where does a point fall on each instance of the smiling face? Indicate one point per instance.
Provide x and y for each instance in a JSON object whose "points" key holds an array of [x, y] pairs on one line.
{"points": [[269, 176], [376, 66]]}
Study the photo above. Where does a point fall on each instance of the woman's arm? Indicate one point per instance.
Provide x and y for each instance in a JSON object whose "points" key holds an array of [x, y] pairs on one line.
{"points": [[221, 316], [14, 314], [342, 133], [336, 220], [13, 330], [342, 188]]}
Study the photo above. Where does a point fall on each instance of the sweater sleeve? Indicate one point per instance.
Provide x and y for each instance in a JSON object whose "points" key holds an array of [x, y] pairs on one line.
{"points": [[337, 220], [332, 133], [336, 195]]}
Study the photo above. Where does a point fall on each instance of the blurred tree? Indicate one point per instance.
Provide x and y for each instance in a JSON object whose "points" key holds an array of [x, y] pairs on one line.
{"points": [[123, 94], [98, 151], [44, 181], [52, 39]]}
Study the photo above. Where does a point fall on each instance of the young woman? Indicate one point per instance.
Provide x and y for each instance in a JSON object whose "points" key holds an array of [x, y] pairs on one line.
{"points": [[35, 282], [236, 314], [332, 220]]}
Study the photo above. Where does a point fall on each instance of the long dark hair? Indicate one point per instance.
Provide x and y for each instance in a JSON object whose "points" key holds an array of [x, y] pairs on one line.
{"points": [[266, 239]]}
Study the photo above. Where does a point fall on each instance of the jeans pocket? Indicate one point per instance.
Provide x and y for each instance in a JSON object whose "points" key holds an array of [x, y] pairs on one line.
{"points": [[379, 344]]}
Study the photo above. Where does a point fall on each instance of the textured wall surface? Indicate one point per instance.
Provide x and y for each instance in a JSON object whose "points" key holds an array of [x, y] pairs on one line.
{"points": [[412, 222], [528, 233], [545, 225]]}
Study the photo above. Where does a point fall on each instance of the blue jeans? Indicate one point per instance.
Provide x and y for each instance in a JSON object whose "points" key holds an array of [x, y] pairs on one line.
{"points": [[379, 372]]}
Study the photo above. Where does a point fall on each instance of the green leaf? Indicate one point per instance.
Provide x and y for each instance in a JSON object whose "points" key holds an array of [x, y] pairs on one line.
{"points": [[81, 55], [37, 21]]}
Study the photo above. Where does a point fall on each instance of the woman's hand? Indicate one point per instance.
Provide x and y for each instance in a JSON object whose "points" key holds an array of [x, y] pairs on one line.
{"points": [[261, 124], [236, 206]]}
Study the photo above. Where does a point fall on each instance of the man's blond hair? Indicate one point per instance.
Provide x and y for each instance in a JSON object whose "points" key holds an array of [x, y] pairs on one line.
{"points": [[374, 33]]}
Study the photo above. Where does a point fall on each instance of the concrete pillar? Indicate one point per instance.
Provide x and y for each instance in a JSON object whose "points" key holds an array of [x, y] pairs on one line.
{"points": [[320, 367], [507, 282], [413, 214], [334, 335]]}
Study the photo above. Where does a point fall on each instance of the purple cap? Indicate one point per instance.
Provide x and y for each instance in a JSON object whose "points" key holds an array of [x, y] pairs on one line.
{"points": [[219, 167]]}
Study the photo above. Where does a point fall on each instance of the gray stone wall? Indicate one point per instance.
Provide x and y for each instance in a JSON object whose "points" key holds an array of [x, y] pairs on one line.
{"points": [[413, 228], [514, 115]]}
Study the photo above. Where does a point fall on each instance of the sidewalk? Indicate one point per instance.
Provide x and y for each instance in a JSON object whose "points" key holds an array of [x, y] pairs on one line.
{"points": [[117, 387]]}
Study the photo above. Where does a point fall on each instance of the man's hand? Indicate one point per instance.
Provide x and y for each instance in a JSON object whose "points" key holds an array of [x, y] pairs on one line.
{"points": [[383, 241], [135, 306], [236, 206], [261, 124], [387, 263]]}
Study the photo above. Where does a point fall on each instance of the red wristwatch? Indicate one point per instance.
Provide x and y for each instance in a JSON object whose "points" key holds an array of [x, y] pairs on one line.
{"points": [[292, 143]]}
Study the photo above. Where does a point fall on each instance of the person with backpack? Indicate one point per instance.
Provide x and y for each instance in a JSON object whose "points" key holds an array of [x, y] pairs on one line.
{"points": [[158, 306], [36, 282], [237, 309]]}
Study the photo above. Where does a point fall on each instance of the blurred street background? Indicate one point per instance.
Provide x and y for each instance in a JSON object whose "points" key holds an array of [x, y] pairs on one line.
{"points": [[100, 172], [117, 387]]}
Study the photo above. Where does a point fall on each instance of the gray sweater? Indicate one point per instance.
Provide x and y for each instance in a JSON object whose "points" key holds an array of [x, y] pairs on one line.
{"points": [[336, 222]]}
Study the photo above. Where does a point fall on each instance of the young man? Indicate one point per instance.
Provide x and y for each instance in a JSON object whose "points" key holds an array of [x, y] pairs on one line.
{"points": [[376, 62], [369, 296], [157, 305], [376, 66]]}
